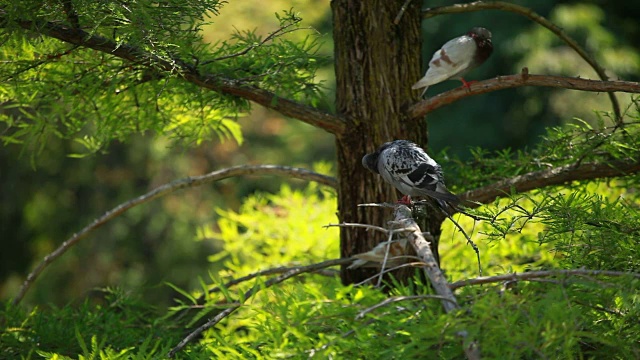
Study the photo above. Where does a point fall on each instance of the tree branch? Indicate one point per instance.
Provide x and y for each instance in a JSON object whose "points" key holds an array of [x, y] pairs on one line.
{"points": [[189, 72], [404, 220], [555, 176], [173, 186], [275, 271], [426, 106], [395, 299], [532, 15], [273, 281], [538, 274]]}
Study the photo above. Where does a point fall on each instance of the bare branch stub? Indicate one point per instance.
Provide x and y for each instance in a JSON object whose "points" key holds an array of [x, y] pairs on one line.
{"points": [[527, 12]]}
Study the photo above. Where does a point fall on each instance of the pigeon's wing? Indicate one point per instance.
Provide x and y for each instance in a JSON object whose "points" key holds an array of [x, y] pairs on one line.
{"points": [[413, 173], [425, 179], [455, 57]]}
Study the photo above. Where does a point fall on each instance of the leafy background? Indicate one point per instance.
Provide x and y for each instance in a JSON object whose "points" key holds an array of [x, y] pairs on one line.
{"points": [[53, 185]]}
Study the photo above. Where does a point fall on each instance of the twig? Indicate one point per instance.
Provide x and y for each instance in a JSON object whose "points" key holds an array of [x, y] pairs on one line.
{"points": [[418, 263], [433, 272], [396, 299], [387, 245], [278, 270], [382, 205], [456, 224], [173, 186], [403, 9], [277, 33], [366, 226], [426, 106], [34, 64], [470, 242], [538, 274], [527, 12], [385, 258], [555, 176], [248, 294]]}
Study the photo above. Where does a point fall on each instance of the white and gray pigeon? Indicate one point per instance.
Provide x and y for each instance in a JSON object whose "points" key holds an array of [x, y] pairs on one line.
{"points": [[409, 169], [457, 57]]}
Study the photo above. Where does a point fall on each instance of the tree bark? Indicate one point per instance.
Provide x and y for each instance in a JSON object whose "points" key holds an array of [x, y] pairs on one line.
{"points": [[376, 61]]}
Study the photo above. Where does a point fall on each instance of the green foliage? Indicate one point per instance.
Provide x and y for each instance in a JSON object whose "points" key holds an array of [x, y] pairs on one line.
{"points": [[315, 315], [277, 229], [49, 92], [121, 327], [49, 87], [575, 143]]}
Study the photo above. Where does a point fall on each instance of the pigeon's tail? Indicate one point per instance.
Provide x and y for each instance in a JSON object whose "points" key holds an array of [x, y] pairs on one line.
{"points": [[445, 197], [422, 83]]}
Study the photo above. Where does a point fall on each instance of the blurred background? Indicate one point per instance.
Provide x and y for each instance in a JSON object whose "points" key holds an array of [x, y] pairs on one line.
{"points": [[43, 203]]}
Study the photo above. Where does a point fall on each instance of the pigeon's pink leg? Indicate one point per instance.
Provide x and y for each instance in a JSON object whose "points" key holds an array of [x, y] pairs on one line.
{"points": [[406, 200], [467, 84]]}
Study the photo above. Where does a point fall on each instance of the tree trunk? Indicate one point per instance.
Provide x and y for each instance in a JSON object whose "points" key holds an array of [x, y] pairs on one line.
{"points": [[376, 63]]}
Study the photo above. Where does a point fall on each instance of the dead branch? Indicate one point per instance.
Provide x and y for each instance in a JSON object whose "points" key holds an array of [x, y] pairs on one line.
{"points": [[250, 293], [277, 270], [555, 176], [439, 283], [163, 190], [426, 106], [396, 299], [186, 70], [417, 263], [533, 275], [366, 226], [532, 15]]}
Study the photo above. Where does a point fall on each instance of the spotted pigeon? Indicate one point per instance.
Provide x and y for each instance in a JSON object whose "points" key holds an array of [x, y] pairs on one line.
{"points": [[409, 169], [457, 57]]}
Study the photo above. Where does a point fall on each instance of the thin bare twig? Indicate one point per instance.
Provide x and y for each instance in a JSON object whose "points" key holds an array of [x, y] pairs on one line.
{"points": [[273, 271], [366, 226], [384, 205], [250, 293], [538, 274], [426, 106], [396, 299], [532, 15], [462, 231], [403, 9], [418, 263], [173, 186]]}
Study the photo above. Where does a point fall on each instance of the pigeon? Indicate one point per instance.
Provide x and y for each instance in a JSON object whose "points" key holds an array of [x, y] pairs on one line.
{"points": [[457, 57], [409, 169]]}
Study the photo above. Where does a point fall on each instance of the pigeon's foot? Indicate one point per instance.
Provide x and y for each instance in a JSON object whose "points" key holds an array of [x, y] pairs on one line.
{"points": [[467, 84], [406, 200]]}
